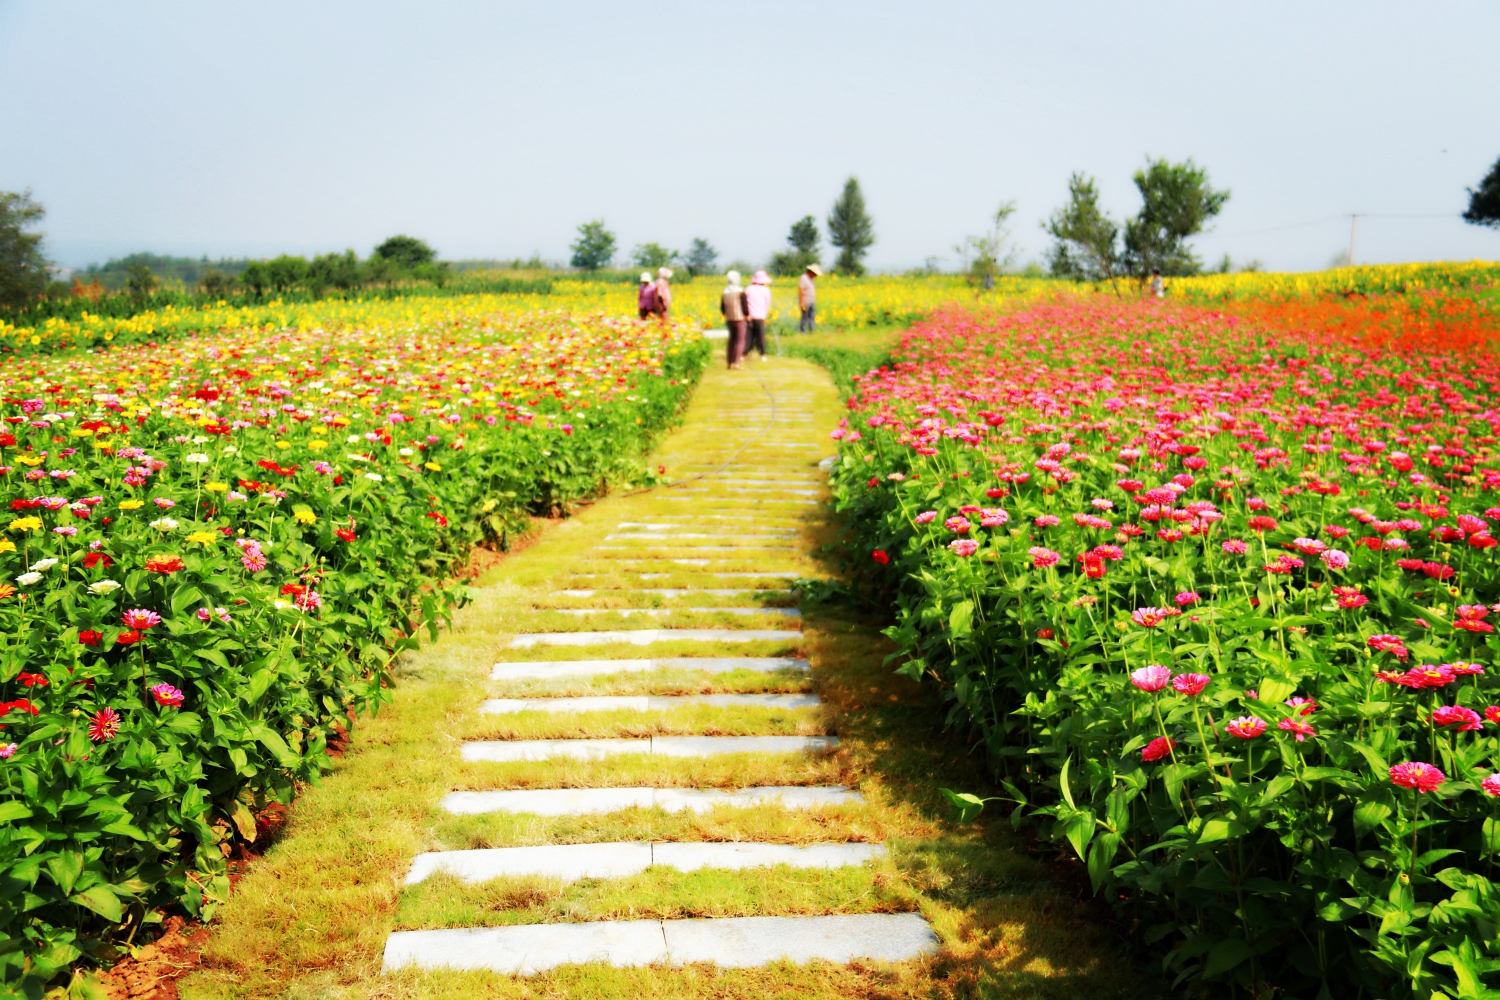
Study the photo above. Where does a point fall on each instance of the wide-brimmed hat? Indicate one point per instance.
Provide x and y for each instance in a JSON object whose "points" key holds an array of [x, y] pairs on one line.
{"points": [[761, 278], [815, 270], [645, 275], [734, 277], [665, 272]]}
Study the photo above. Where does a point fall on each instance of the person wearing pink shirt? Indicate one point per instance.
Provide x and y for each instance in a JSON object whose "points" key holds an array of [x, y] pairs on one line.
{"points": [[758, 305]]}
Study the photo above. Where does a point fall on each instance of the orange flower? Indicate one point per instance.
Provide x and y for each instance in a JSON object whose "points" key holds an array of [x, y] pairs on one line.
{"points": [[164, 564]]}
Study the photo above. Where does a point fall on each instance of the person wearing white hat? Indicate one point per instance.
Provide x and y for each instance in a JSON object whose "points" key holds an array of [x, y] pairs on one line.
{"points": [[758, 310], [732, 305], [663, 292], [807, 298], [645, 296]]}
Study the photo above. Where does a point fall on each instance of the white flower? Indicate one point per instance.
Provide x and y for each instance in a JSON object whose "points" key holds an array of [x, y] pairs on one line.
{"points": [[374, 477], [197, 458], [103, 587], [199, 439], [231, 450], [164, 524], [280, 605], [356, 458], [42, 564], [407, 452], [352, 439], [235, 496], [27, 579]]}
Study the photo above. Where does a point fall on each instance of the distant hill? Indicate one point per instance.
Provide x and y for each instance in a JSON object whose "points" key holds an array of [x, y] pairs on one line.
{"points": [[170, 270]]}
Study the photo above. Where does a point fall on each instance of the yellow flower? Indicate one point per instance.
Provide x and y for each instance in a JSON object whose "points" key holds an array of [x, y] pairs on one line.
{"points": [[6, 545], [304, 514], [433, 467], [216, 487], [283, 445], [82, 432], [132, 504], [317, 444], [204, 537], [29, 460], [26, 524]]}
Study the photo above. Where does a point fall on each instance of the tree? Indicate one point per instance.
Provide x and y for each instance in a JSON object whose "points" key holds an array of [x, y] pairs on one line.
{"points": [[217, 284], [333, 270], [594, 248], [1484, 204], [1177, 203], [140, 281], [23, 268], [700, 258], [803, 240], [988, 255], [406, 252], [851, 229], [652, 255], [286, 272], [1085, 248]]}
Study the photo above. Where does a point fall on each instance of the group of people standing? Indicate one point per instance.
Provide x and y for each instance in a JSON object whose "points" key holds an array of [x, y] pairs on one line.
{"points": [[745, 310]]}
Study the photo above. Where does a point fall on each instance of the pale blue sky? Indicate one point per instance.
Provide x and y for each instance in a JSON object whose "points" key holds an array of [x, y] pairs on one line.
{"points": [[493, 129]]}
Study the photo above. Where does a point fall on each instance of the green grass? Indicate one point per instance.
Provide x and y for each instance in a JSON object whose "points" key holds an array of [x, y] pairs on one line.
{"points": [[310, 919]]}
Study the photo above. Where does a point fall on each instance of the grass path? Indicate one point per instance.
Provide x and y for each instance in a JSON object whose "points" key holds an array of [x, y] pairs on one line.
{"points": [[312, 918]]}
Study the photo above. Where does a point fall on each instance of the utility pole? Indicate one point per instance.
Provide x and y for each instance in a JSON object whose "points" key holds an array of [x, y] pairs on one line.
{"points": [[1353, 227]]}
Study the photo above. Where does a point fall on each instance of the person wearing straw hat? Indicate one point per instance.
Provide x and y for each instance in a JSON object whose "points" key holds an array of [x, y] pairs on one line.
{"points": [[663, 292], [758, 310], [807, 298], [645, 296], [732, 305]]}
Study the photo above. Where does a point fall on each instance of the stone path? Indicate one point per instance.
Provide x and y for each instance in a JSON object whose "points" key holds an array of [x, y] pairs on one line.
{"points": [[697, 574]]}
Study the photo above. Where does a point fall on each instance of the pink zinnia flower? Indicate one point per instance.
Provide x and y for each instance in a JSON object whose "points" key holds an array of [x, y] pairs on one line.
{"points": [[1304, 706], [1301, 729], [308, 600], [992, 517], [1157, 749], [1041, 558], [1152, 617], [104, 725], [140, 618], [1246, 727], [1334, 559], [1190, 684], [1152, 678], [8, 750], [1235, 547], [927, 517], [1384, 643], [1423, 777], [958, 525], [166, 694], [1187, 597], [1491, 785], [1047, 521], [964, 546], [253, 559], [1466, 719]]}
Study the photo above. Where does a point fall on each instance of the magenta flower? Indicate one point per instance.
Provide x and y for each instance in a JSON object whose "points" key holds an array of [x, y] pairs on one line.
{"points": [[1305, 706], [927, 517], [140, 618], [1423, 777], [1047, 521], [1041, 557], [1466, 719], [1190, 684], [1491, 785], [1300, 729], [166, 694], [104, 725], [1246, 727], [959, 525], [1152, 617], [1157, 749], [1384, 643], [1335, 560], [1152, 678], [1187, 597], [964, 546], [1235, 547], [8, 750]]}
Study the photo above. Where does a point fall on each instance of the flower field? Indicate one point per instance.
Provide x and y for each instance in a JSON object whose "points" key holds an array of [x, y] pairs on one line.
{"points": [[211, 550], [1218, 601]]}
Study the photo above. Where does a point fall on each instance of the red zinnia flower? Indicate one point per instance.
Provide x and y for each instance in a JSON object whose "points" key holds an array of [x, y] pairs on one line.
{"points": [[104, 725], [89, 637], [140, 618], [164, 564], [1157, 749], [1423, 777], [128, 637], [879, 556], [1466, 719], [1301, 729], [344, 533]]}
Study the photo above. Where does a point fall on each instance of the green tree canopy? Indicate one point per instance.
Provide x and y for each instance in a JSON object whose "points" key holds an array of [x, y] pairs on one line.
{"points": [[23, 268], [1484, 204], [595, 246], [1086, 237], [701, 257], [802, 242], [406, 251], [989, 254], [1177, 203], [141, 281], [652, 255], [851, 229]]}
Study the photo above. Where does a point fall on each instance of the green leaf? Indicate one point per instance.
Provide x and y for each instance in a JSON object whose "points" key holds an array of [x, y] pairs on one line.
{"points": [[1220, 829], [1101, 856], [1275, 690], [1225, 955], [215, 657], [961, 619], [65, 867], [1079, 828], [966, 804], [185, 597], [99, 899], [13, 810], [1062, 780], [1374, 808]]}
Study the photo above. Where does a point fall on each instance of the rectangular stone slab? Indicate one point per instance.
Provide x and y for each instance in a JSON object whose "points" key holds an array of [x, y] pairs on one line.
{"points": [[528, 669], [730, 942], [592, 801], [507, 751], [739, 942], [647, 636], [623, 859], [527, 950], [675, 592], [645, 703], [658, 612]]}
